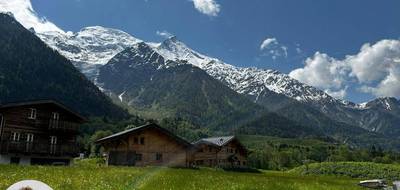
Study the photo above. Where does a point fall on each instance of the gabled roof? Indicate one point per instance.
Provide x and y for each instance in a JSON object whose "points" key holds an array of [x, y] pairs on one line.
{"points": [[36, 102], [217, 141], [141, 128]]}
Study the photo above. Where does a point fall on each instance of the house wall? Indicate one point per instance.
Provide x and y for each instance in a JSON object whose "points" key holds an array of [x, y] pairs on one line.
{"points": [[155, 142], [16, 119]]}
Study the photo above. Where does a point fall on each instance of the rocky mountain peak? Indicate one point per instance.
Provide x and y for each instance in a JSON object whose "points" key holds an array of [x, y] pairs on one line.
{"points": [[387, 103]]}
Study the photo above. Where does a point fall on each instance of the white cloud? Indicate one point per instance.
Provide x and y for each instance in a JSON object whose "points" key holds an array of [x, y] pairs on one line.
{"points": [[164, 34], [268, 42], [340, 94], [321, 71], [24, 13], [375, 70], [271, 47], [208, 7]]}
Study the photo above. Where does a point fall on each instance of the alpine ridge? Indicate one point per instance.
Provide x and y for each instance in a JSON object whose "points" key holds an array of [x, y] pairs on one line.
{"points": [[92, 47]]}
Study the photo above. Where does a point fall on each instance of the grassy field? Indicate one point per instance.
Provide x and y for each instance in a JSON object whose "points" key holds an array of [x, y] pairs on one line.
{"points": [[88, 176], [351, 169]]}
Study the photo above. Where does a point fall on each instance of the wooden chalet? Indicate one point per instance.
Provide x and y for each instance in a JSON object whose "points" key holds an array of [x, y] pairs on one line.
{"points": [[225, 152], [38, 132], [153, 145], [146, 145]]}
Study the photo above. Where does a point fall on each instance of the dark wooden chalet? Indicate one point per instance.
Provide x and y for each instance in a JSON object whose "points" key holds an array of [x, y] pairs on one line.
{"points": [[225, 152], [38, 132], [146, 145]]}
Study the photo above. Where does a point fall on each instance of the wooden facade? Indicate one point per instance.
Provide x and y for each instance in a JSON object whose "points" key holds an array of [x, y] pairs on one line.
{"points": [[38, 132], [224, 152], [153, 145], [146, 145]]}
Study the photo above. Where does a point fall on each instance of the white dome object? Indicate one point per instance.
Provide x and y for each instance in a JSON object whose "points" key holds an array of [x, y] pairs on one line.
{"points": [[33, 184]]}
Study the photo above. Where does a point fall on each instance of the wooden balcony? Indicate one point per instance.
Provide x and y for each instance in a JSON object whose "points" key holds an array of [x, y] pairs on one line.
{"points": [[39, 149], [63, 125]]}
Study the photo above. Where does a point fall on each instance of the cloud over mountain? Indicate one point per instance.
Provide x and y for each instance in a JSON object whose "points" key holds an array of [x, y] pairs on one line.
{"points": [[375, 70]]}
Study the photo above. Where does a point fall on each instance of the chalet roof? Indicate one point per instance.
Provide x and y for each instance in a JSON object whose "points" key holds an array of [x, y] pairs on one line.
{"points": [[141, 128], [217, 141], [36, 102]]}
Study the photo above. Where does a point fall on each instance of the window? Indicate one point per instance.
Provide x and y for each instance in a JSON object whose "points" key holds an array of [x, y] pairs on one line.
{"points": [[53, 144], [32, 114], [138, 157], [29, 138], [53, 140], [158, 156], [209, 149], [135, 140], [15, 136], [142, 140], [55, 116]]}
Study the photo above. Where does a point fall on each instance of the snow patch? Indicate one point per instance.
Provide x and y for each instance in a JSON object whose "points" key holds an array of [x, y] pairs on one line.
{"points": [[121, 96]]}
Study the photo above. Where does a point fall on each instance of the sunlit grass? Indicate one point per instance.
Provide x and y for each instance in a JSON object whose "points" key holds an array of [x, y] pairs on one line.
{"points": [[89, 176]]}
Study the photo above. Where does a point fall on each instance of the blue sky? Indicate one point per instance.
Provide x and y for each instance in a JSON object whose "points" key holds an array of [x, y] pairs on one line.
{"points": [[234, 31]]}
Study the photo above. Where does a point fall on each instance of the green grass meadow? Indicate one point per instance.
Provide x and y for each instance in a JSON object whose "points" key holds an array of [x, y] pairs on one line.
{"points": [[89, 176]]}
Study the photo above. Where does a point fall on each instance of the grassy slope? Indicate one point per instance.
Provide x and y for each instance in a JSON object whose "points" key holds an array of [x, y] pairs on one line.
{"points": [[88, 176], [351, 169]]}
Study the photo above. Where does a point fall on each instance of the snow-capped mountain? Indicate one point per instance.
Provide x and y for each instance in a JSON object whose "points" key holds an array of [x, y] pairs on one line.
{"points": [[277, 91], [89, 48], [248, 81], [92, 47], [95, 46]]}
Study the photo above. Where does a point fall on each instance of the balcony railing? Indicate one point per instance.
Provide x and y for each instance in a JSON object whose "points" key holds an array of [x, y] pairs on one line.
{"points": [[63, 125], [41, 149]]}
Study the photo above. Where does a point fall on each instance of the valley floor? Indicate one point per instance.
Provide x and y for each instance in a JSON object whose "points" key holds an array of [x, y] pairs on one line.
{"points": [[90, 176]]}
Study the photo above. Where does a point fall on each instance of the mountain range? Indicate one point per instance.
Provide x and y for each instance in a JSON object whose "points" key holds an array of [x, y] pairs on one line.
{"points": [[93, 47], [176, 81]]}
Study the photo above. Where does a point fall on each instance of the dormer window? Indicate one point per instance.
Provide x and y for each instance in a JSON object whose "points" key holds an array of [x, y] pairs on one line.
{"points": [[55, 116], [32, 114]]}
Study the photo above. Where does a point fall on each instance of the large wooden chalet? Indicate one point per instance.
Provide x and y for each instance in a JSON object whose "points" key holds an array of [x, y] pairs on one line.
{"points": [[146, 145], [38, 132], [153, 145]]}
